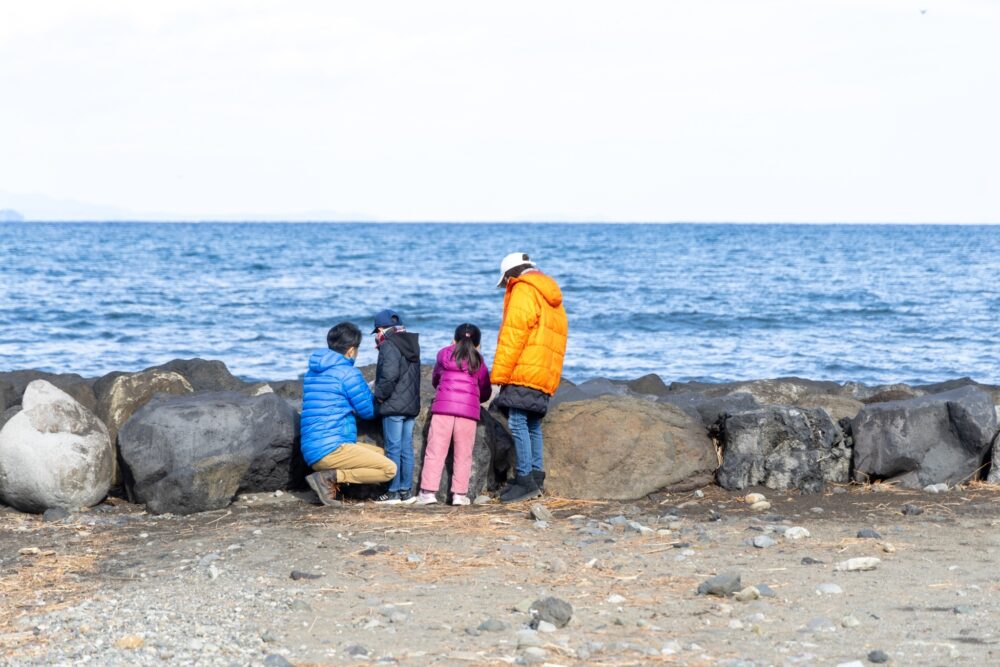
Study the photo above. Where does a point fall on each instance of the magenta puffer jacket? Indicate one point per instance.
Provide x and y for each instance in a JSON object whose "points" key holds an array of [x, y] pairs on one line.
{"points": [[459, 393]]}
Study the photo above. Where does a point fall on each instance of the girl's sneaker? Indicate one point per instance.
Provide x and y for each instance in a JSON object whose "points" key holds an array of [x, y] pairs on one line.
{"points": [[426, 498], [407, 497], [459, 499]]}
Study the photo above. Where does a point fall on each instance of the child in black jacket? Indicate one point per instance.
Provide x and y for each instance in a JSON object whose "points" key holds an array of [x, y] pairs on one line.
{"points": [[397, 391]]}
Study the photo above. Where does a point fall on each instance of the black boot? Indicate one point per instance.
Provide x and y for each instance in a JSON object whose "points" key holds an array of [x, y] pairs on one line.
{"points": [[523, 488], [539, 477]]}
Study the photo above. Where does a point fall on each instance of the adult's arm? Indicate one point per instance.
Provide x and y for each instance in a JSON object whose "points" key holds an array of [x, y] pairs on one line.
{"points": [[359, 395], [390, 362], [522, 315]]}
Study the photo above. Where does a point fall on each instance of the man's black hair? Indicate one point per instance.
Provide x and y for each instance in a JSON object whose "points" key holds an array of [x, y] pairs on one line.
{"points": [[343, 337]]}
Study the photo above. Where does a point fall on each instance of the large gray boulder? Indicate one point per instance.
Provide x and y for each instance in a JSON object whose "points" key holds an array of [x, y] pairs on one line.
{"points": [[53, 453], [76, 386], [624, 448], [782, 447], [119, 395], [194, 452], [938, 438]]}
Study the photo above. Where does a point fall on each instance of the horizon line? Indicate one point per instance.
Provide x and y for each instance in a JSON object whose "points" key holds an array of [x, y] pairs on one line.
{"points": [[238, 221]]}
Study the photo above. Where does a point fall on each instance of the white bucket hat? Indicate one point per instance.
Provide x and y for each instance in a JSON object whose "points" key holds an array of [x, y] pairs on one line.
{"points": [[509, 262]]}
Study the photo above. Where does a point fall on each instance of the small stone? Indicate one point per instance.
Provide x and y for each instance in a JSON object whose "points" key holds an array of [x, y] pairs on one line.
{"points": [[912, 510], [541, 513], [493, 625], [869, 534], [279, 493], [752, 498], [878, 656], [545, 626], [962, 609], [275, 660], [762, 541], [820, 625], [55, 514], [616, 599], [887, 547], [765, 591], [720, 585], [829, 589], [551, 609], [300, 605], [540, 525], [699, 494], [672, 647], [414, 558], [130, 642], [858, 564], [357, 651], [296, 575], [473, 632], [816, 510], [936, 488], [268, 637], [809, 560], [482, 500], [524, 605], [850, 621], [761, 506], [398, 617], [852, 663], [534, 654], [747, 594], [619, 520], [796, 533]]}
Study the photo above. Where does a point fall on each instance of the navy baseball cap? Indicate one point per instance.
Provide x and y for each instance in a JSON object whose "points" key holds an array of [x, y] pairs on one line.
{"points": [[386, 318]]}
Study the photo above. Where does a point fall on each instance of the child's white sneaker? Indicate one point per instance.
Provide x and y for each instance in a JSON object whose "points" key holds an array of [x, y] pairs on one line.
{"points": [[426, 498], [459, 499]]}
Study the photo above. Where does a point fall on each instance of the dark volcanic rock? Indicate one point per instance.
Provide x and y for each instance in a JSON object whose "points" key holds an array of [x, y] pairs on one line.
{"points": [[203, 374], [624, 448], [721, 585], [553, 610], [939, 438], [71, 383], [710, 409], [782, 447], [193, 453], [651, 384], [6, 395]]}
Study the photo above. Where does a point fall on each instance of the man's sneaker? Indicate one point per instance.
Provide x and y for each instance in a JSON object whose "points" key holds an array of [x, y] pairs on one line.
{"points": [[460, 499], [389, 498], [324, 483], [523, 488], [426, 498], [407, 497], [539, 477]]}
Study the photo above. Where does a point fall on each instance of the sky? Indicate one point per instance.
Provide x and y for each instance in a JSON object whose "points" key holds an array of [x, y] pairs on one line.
{"points": [[660, 110]]}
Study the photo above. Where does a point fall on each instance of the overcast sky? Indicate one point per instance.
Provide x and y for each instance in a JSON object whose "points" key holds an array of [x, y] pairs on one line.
{"points": [[700, 110]]}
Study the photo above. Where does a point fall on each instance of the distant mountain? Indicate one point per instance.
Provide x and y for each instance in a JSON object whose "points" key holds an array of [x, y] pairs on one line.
{"points": [[10, 215]]}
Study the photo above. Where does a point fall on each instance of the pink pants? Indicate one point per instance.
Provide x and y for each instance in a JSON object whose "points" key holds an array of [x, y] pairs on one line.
{"points": [[443, 427]]}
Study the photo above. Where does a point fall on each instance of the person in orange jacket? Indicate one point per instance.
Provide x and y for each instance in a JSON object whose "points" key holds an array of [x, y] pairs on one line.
{"points": [[528, 364]]}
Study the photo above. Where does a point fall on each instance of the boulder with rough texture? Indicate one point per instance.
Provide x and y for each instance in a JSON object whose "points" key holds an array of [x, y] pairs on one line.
{"points": [[782, 447], [933, 439], [193, 452], [651, 385], [53, 453], [203, 374], [76, 386], [838, 407], [710, 409], [119, 395], [624, 448]]}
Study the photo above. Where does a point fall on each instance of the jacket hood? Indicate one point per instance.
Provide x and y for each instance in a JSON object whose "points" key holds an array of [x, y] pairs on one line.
{"points": [[545, 285], [408, 345], [322, 360]]}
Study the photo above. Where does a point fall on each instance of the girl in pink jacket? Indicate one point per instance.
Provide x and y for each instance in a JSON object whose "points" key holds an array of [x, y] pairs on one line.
{"points": [[462, 381]]}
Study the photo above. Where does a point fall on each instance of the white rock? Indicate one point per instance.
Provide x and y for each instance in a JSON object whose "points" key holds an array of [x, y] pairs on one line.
{"points": [[616, 599], [54, 453], [852, 663], [747, 594], [858, 564], [796, 533], [752, 498], [699, 494], [829, 589], [936, 488], [760, 506]]}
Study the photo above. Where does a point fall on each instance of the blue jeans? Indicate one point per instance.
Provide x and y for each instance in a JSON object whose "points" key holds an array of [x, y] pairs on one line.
{"points": [[397, 434], [526, 427]]}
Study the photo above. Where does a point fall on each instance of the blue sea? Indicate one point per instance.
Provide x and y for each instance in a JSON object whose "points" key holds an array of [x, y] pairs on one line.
{"points": [[710, 302]]}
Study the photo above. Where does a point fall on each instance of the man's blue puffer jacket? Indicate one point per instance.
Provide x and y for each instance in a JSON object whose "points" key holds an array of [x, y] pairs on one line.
{"points": [[333, 391]]}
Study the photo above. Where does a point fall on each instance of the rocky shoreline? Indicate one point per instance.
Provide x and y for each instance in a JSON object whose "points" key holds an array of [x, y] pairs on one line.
{"points": [[188, 436]]}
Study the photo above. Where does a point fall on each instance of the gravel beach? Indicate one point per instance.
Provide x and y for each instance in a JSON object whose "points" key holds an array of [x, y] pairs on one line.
{"points": [[277, 580]]}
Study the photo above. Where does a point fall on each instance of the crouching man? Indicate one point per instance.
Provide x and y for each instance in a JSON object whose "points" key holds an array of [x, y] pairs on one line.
{"points": [[333, 393]]}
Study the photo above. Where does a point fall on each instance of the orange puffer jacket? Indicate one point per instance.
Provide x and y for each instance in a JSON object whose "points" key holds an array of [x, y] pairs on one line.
{"points": [[532, 340]]}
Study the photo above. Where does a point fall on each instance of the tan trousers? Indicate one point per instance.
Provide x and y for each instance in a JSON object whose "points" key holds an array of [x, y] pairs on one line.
{"points": [[358, 464]]}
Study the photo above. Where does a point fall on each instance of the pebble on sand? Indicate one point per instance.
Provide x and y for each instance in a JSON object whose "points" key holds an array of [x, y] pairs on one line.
{"points": [[858, 564]]}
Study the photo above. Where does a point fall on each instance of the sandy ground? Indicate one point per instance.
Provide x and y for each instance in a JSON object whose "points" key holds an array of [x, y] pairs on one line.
{"points": [[443, 585]]}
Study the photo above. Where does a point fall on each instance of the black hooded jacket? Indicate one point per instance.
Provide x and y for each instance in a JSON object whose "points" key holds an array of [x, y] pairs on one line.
{"points": [[397, 375]]}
